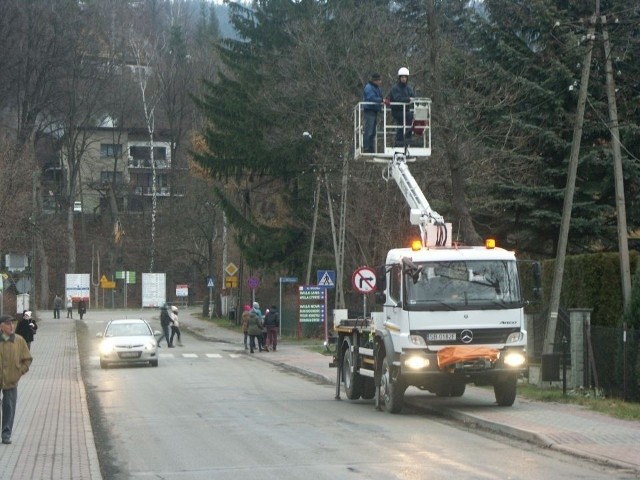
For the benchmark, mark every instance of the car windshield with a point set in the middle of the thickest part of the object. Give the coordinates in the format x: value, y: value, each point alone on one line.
x: 127, y: 330
x: 461, y: 285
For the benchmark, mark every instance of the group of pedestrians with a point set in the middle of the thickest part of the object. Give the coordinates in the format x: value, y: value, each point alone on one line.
x: 261, y: 328
x: 399, y: 98
x: 169, y: 323
x: 58, y: 304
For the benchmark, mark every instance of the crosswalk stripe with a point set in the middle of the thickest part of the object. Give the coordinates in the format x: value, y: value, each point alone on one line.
x: 214, y: 355
x: 190, y: 355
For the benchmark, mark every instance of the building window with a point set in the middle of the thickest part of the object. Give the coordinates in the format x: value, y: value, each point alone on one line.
x: 107, y: 177
x: 110, y: 150
x: 144, y: 153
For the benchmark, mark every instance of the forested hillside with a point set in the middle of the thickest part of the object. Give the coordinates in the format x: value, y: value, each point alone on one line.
x: 503, y: 75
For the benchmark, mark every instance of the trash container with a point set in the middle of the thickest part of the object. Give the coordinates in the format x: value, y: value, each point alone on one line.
x: 205, y: 309
x: 550, y: 367
x: 232, y: 314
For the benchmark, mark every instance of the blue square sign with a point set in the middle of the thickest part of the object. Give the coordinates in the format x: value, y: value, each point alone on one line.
x: 326, y: 278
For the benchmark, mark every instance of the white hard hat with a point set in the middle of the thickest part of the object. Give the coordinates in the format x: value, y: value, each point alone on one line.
x: 174, y: 309
x: 404, y: 71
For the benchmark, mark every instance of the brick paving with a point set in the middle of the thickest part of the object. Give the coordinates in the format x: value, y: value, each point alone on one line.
x: 52, y: 437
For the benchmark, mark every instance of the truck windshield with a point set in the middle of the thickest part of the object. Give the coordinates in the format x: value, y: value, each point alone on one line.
x: 461, y: 285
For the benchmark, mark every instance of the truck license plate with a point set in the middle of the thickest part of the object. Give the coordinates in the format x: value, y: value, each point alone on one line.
x: 439, y: 337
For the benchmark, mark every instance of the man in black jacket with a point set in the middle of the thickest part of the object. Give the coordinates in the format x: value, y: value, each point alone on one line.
x: 401, y: 92
x: 272, y: 322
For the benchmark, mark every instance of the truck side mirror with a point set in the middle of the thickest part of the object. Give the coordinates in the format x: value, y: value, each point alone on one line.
x: 381, y: 298
x: 381, y: 278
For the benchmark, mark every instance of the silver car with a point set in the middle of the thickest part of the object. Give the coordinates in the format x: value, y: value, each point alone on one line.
x: 127, y: 342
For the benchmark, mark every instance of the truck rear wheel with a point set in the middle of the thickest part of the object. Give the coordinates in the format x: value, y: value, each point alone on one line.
x: 353, y: 382
x: 391, y: 393
x: 505, y: 390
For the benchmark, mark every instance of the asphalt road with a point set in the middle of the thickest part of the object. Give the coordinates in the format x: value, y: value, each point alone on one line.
x: 212, y: 411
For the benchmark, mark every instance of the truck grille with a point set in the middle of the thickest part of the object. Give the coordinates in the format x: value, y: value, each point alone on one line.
x: 461, y: 336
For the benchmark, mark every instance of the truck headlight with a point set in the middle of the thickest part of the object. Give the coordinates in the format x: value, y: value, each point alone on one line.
x: 514, y: 359
x: 416, y: 362
x: 417, y: 340
x: 515, y: 337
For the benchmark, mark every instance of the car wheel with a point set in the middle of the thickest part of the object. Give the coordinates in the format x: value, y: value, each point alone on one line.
x: 153, y: 363
x: 103, y: 364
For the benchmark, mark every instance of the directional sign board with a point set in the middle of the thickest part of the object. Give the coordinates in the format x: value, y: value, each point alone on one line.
x: 364, y: 280
x: 326, y: 278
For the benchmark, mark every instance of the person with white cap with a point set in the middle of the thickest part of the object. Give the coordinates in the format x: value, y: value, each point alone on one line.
x: 175, y: 325
x: 15, y: 360
x: 27, y: 327
x: 400, y: 93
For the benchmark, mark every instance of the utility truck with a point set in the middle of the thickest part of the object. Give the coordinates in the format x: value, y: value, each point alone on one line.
x: 450, y: 314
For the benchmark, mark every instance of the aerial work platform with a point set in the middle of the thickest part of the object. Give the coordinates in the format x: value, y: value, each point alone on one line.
x: 416, y: 120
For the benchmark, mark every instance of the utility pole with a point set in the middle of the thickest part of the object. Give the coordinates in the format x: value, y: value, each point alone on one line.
x: 554, y: 301
x: 623, y: 242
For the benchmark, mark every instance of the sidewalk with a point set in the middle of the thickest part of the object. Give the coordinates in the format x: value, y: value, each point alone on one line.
x: 52, y: 436
x: 568, y: 428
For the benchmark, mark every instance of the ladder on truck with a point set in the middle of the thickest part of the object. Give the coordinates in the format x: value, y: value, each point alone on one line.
x: 419, y: 145
x: 434, y: 232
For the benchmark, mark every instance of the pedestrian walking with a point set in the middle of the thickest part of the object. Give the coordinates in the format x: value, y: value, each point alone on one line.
x: 69, y: 306
x: 15, y: 359
x: 263, y: 331
x: 272, y: 322
x: 82, y: 308
x: 254, y: 329
x: 57, y: 305
x: 245, y: 325
x: 27, y: 327
x: 175, y: 325
x: 165, y: 322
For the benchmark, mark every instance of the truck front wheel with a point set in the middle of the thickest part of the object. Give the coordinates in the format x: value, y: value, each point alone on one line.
x: 351, y: 379
x: 505, y: 390
x: 391, y: 392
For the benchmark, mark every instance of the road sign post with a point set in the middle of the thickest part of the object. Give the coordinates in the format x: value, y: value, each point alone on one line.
x: 210, y: 285
x: 364, y: 281
x: 283, y: 280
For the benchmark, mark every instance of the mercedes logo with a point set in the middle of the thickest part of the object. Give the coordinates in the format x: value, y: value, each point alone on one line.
x: 466, y: 336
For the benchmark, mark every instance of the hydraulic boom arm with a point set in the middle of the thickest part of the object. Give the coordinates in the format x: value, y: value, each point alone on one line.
x: 433, y: 230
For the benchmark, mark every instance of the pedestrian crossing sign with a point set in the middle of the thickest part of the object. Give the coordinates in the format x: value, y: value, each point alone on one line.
x: 326, y: 278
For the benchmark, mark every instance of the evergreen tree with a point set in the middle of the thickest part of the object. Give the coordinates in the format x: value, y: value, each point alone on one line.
x: 528, y: 55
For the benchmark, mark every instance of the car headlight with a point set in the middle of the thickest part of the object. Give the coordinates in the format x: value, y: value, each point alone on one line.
x: 149, y: 346
x: 106, y: 348
x: 514, y: 359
